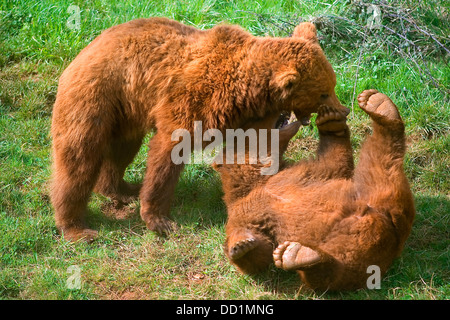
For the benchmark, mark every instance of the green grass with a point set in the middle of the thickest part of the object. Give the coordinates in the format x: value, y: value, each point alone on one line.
x: 128, y: 261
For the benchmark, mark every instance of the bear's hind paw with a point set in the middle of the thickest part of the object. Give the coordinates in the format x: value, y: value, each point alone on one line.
x: 293, y: 256
x: 379, y: 104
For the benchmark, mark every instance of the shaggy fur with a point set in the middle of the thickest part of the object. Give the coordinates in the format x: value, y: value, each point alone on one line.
x: 158, y: 74
x: 325, y: 219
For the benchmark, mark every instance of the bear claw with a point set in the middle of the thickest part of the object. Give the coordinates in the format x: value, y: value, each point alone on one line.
x: 241, y: 247
x: 160, y: 224
x: 332, y: 120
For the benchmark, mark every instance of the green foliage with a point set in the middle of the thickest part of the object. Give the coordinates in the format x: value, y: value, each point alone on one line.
x: 406, y: 58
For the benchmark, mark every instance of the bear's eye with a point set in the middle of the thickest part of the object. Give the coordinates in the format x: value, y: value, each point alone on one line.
x: 324, y: 96
x: 289, y: 86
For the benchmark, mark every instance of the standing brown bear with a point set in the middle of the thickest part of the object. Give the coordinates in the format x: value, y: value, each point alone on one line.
x: 158, y: 74
x: 328, y: 221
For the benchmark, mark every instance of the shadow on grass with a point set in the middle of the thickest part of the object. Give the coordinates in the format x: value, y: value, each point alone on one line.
x: 197, y: 202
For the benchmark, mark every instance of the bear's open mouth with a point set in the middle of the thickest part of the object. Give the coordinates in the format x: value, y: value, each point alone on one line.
x: 283, y: 120
x: 303, y: 117
x: 286, y: 118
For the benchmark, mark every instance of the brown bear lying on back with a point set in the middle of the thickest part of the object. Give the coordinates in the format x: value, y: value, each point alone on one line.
x: 158, y: 74
x: 334, y: 224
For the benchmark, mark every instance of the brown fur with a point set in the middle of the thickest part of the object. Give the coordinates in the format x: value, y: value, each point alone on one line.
x: 343, y: 219
x: 160, y: 74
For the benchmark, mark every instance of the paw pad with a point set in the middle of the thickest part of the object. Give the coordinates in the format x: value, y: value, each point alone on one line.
x: 374, y: 102
x: 292, y: 256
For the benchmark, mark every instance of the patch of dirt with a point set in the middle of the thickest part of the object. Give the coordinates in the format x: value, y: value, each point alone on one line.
x: 119, y: 211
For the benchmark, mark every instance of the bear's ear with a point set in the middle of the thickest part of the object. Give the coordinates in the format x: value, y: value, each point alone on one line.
x: 307, y: 31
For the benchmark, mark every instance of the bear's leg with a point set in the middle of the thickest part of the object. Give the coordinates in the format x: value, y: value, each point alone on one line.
x: 334, y: 154
x: 159, y: 184
x: 110, y: 181
x: 379, y: 178
x: 250, y: 252
x: 381, y: 156
x: 74, y: 176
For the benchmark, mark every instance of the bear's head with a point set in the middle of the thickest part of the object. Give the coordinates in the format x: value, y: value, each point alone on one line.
x: 302, y: 78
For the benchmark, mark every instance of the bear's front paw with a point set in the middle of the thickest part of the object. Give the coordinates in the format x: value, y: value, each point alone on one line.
x: 331, y: 120
x: 240, y: 248
x: 293, y: 256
